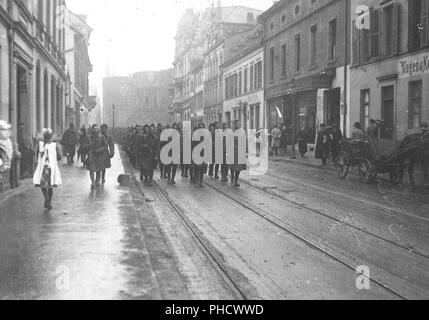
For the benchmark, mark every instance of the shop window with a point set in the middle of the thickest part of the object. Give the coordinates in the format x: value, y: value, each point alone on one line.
x: 365, y: 108
x: 418, y: 23
x: 415, y: 104
x: 388, y: 112
x: 313, y: 46
x: 333, y: 39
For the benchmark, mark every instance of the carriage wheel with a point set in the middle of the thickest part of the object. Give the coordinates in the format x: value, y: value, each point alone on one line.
x: 342, y: 165
x: 366, y: 171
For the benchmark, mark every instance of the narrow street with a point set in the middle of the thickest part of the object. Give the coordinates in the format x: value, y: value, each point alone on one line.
x: 296, y: 233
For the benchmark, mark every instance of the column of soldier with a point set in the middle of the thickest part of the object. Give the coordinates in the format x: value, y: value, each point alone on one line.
x: 142, y: 145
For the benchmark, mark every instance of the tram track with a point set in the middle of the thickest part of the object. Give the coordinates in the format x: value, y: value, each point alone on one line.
x: 365, y: 202
x: 305, y: 238
x: 336, y: 220
x: 214, y: 257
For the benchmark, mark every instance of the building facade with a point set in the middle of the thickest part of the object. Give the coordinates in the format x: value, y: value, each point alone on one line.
x: 78, y: 67
x: 390, y: 64
x: 142, y: 98
x: 243, y: 91
x: 307, y: 64
x: 201, y: 37
x: 33, y: 81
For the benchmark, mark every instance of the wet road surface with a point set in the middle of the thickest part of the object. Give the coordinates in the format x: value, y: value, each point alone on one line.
x: 90, y: 246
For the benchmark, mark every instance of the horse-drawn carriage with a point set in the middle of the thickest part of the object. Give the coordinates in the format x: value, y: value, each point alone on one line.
x: 377, y: 156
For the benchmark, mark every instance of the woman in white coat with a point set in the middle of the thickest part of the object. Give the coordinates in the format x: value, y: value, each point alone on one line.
x: 47, y: 175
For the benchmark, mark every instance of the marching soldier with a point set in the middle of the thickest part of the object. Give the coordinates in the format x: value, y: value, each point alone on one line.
x: 148, y: 149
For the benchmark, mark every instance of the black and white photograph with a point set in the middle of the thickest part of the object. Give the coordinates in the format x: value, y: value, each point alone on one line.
x: 187, y: 151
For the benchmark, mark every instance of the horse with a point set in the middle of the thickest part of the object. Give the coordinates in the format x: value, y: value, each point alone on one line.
x: 415, y: 149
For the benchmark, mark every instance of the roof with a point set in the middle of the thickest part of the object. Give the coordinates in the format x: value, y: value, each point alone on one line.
x: 279, y: 4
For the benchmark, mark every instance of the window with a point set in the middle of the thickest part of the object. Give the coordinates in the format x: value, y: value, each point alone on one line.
x: 418, y: 24
x: 251, y: 77
x: 255, y: 79
x: 283, y: 60
x: 259, y: 79
x: 389, y: 29
x: 40, y: 14
x: 388, y: 112
x: 333, y: 39
x: 245, y: 80
x: 415, y: 104
x: 297, y: 52
x: 365, y: 108
x: 283, y: 18
x: 313, y: 46
x: 271, y: 63
x: 240, y: 82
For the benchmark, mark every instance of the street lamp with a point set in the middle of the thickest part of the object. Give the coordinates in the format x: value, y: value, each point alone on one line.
x: 292, y: 90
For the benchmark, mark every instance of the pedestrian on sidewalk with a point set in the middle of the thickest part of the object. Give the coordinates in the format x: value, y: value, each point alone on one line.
x: 97, y: 150
x: 276, y: 134
x: 83, y: 150
x: 27, y: 153
x: 284, y: 139
x: 335, y: 137
x: 322, y: 145
x: 69, y: 142
x: 47, y: 175
x: 302, y: 140
x: 109, y: 153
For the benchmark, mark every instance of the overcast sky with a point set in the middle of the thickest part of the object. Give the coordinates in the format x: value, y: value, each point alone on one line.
x: 138, y: 35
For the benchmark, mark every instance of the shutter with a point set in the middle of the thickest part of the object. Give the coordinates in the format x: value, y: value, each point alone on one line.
x: 375, y: 32
x: 355, y: 44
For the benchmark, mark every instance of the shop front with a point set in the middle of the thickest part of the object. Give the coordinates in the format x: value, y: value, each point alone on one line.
x: 295, y: 105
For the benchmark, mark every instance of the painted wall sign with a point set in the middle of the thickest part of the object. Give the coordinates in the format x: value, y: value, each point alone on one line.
x: 414, y: 65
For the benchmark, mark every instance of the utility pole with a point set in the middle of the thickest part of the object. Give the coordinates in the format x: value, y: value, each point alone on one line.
x: 292, y: 90
x: 113, y: 111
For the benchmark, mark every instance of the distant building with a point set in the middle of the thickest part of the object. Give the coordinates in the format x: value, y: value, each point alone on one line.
x: 78, y: 66
x: 142, y: 98
x: 243, y: 91
x: 201, y: 38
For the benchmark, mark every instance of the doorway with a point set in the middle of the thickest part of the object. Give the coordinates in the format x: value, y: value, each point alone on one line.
x: 333, y: 107
x: 22, y: 101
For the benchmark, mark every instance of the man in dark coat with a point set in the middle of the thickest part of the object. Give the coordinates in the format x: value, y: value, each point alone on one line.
x: 148, y: 150
x: 27, y: 153
x: 97, y: 149
x: 322, y: 145
x: 69, y: 142
x: 237, y: 167
x: 336, y: 136
x: 109, y: 152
